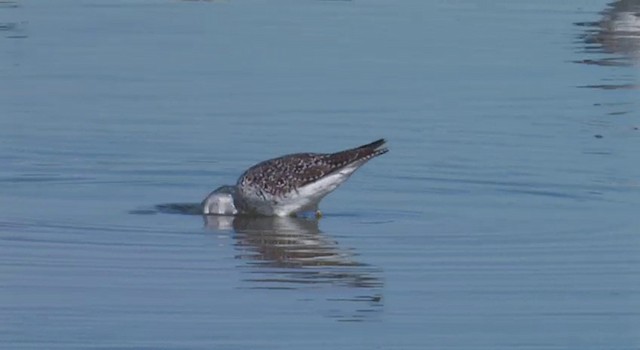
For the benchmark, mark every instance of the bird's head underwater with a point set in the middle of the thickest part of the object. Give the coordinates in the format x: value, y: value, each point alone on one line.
x: 220, y: 201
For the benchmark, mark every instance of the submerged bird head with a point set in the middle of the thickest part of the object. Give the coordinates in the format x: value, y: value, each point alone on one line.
x: 220, y: 201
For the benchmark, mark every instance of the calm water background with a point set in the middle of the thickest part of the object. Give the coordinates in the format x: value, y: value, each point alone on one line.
x: 506, y: 215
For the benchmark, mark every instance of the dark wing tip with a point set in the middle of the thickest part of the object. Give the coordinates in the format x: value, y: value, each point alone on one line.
x: 374, y: 144
x: 365, y: 152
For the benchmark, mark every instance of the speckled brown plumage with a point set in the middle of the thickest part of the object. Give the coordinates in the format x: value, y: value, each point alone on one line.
x: 279, y: 176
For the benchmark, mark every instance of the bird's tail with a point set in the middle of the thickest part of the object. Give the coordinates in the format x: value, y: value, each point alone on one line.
x: 375, y: 145
x: 361, y: 153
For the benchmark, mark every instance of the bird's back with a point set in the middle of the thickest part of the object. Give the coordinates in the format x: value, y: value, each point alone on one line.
x: 274, y: 180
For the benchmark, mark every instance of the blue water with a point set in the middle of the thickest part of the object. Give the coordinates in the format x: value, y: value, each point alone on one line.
x: 505, y: 215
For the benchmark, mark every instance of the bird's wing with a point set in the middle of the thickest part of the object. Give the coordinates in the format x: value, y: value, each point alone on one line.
x: 287, y: 173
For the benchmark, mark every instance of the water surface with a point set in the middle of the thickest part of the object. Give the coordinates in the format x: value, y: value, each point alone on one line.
x: 504, y: 216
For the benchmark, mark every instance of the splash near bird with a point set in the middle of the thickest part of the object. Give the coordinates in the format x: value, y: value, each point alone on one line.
x: 290, y: 184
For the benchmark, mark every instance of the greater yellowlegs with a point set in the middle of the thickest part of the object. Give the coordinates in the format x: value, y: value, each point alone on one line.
x: 290, y: 184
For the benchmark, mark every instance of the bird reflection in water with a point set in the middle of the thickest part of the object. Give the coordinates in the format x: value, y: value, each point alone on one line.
x: 292, y: 253
x: 617, y: 32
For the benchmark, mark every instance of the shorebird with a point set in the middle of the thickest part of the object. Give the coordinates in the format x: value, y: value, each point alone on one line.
x: 291, y: 184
